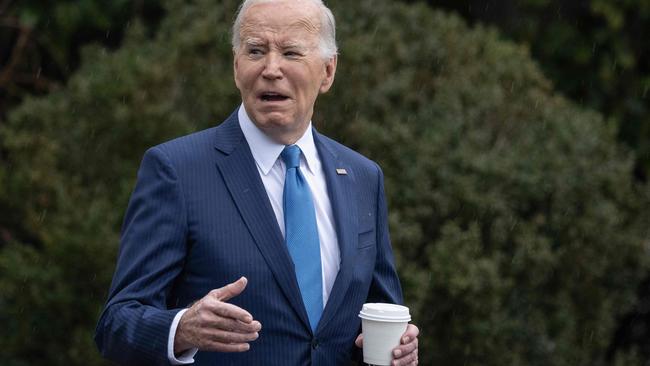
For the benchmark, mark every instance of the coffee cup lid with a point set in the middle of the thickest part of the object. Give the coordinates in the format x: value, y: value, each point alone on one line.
x: 385, y: 312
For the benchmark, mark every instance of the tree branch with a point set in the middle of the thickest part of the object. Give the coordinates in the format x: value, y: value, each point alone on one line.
x: 37, y: 82
x: 16, y: 55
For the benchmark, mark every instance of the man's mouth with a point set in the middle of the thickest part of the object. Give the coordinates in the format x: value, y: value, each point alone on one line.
x: 273, y: 97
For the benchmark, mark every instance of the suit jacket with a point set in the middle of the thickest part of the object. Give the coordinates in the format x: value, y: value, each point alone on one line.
x: 199, y: 218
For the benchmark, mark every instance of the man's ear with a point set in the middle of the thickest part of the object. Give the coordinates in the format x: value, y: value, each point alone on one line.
x: 235, y: 64
x: 330, y: 71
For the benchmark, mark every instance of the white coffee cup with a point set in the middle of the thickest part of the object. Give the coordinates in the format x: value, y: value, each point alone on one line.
x: 382, y: 325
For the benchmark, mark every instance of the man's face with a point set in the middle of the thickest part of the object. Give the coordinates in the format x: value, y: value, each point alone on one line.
x: 279, y: 69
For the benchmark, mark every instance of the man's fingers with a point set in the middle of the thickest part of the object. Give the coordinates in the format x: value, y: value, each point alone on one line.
x: 211, y: 311
x: 406, y: 349
x: 231, y: 311
x: 412, y: 332
x: 411, y: 359
x: 227, y: 347
x: 407, y: 352
x: 230, y: 290
x: 232, y: 325
x: 227, y: 337
x: 214, y: 325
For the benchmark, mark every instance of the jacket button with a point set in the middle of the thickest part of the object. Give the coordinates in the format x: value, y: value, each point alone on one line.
x: 314, y: 343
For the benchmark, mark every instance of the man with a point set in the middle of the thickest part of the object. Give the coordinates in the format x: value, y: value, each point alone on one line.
x: 256, y: 242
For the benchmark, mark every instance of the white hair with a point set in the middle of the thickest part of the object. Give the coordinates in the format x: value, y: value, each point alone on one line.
x: 327, y: 44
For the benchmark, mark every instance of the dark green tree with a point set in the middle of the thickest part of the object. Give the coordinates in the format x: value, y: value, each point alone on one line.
x: 41, y: 40
x: 517, y: 226
x: 40, y: 43
x: 595, y: 51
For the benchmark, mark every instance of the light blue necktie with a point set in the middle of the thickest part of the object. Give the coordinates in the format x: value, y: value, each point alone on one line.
x: 301, y: 235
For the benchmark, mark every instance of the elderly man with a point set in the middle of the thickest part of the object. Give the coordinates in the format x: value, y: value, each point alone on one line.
x: 256, y: 242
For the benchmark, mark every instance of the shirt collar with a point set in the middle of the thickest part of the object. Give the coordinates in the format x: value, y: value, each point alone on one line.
x: 266, y: 151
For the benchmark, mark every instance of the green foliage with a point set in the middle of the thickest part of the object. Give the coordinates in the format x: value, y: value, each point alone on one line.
x: 58, y: 28
x: 594, y: 51
x: 42, y: 40
x: 65, y: 18
x: 516, y: 223
x: 513, y: 211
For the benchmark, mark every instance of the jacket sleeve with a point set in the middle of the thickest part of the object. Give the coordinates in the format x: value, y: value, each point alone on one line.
x: 135, y: 323
x: 385, y: 285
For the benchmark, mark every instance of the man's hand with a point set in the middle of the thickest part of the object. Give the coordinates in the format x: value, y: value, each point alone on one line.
x: 407, y: 352
x: 212, y: 324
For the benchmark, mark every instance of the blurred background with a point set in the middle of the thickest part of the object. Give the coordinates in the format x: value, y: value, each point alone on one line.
x: 514, y: 136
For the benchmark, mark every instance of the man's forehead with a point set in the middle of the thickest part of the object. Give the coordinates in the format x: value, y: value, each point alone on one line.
x: 297, y: 25
x: 293, y: 34
x: 307, y: 7
x: 281, y: 16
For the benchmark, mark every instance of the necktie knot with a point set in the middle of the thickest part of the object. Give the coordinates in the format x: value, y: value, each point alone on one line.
x: 291, y: 156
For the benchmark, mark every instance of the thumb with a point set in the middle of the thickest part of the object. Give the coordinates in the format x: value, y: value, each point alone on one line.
x: 232, y: 289
x: 359, y: 341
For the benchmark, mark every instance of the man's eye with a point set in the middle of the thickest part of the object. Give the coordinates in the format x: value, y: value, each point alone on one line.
x: 292, y: 54
x: 254, y: 51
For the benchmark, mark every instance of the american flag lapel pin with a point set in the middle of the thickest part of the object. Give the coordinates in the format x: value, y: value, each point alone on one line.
x: 341, y: 171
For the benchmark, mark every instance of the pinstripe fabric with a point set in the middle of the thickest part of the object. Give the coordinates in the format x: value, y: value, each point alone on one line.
x: 199, y: 218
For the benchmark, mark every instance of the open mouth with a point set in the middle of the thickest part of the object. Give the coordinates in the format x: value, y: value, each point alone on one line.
x: 273, y: 97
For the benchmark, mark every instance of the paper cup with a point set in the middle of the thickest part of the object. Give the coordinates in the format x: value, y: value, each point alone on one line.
x: 382, y: 325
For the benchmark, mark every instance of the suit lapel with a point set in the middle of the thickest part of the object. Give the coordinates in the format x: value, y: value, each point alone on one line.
x: 341, y: 192
x: 238, y: 170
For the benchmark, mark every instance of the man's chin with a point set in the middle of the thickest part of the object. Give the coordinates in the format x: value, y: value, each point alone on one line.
x: 283, y: 131
x: 273, y: 120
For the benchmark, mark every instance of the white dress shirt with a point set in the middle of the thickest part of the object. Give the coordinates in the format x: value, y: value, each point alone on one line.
x: 271, y: 168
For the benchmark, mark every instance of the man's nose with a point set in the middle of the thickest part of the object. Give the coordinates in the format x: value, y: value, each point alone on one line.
x: 273, y: 66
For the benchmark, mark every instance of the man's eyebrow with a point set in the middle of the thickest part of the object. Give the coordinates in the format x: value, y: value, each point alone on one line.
x: 254, y: 42
x: 293, y: 45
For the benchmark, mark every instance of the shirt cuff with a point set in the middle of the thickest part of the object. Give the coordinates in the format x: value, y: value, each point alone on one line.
x: 184, y: 358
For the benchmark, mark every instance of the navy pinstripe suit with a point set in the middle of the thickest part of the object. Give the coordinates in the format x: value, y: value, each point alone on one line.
x: 199, y: 218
